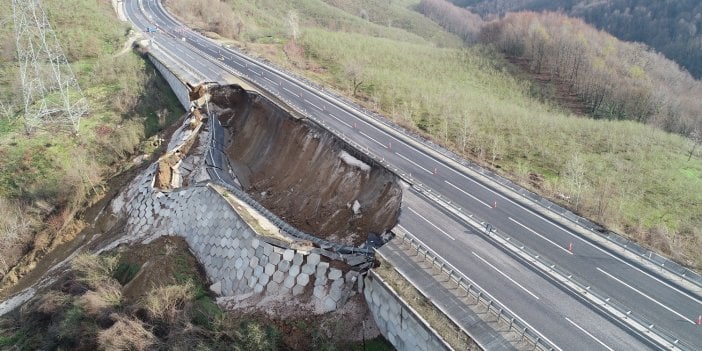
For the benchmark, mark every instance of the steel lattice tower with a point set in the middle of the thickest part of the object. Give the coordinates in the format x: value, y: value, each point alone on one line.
x: 52, y: 96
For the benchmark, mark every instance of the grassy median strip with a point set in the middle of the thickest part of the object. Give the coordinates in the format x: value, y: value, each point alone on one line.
x: 448, y: 330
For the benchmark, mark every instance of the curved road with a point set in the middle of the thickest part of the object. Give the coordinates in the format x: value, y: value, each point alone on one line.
x: 564, y: 320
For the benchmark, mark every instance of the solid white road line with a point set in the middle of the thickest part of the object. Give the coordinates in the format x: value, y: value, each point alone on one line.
x: 414, y: 163
x: 471, y: 195
x: 540, y: 236
x: 686, y: 294
x: 494, y: 299
x: 505, y: 275
x: 237, y: 63
x: 290, y: 91
x: 311, y: 103
x: 590, y: 335
x: 577, y: 236
x: 268, y: 79
x: 646, y: 296
x: 371, y: 138
x: 513, y: 202
x: 342, y: 122
x: 432, y: 224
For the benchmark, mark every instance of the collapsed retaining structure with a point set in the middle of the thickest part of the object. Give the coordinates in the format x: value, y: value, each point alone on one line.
x: 244, y: 248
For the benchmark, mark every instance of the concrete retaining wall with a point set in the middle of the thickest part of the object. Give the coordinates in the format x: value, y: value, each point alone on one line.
x: 179, y: 88
x: 397, y: 321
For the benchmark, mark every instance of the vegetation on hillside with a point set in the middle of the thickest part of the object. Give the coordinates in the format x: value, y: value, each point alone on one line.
x: 46, y: 177
x: 113, y: 302
x: 633, y: 178
x: 608, y: 78
x: 671, y: 27
x: 154, y: 297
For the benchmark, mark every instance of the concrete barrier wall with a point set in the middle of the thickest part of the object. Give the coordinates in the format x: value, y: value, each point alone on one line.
x: 397, y: 321
x: 179, y: 88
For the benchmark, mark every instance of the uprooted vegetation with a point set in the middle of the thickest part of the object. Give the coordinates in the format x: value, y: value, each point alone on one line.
x: 305, y: 174
x: 150, y: 297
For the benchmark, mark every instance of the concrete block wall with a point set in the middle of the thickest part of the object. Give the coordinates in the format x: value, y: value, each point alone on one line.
x: 236, y: 258
x: 397, y: 321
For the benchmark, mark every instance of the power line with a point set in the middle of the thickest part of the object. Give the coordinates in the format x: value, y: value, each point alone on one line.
x: 52, y: 96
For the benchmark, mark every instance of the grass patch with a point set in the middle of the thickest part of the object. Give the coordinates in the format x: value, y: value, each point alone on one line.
x: 468, y: 100
x: 128, y: 102
x: 436, y: 319
x: 13, y: 339
x: 125, y: 272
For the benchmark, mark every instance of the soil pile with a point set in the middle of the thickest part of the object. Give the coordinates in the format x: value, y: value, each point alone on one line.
x: 303, y: 173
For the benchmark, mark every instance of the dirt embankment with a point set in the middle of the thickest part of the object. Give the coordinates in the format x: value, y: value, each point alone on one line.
x: 305, y: 174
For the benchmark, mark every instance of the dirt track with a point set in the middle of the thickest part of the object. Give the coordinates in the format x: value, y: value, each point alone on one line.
x: 305, y: 174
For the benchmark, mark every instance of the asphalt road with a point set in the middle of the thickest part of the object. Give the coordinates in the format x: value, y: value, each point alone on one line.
x: 556, y: 314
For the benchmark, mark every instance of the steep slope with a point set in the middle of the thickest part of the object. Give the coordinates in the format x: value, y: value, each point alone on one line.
x: 305, y: 174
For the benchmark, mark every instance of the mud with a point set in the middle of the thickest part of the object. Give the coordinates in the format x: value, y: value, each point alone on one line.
x: 303, y: 173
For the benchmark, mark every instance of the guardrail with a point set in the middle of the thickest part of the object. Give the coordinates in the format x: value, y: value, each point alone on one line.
x: 622, y: 313
x: 637, y: 322
x: 514, y: 323
x: 656, y: 259
x: 215, y: 166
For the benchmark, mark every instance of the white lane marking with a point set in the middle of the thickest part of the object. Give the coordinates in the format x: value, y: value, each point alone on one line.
x: 540, y: 236
x: 505, y: 275
x: 471, y: 195
x: 189, y: 56
x: 290, y: 91
x: 311, y: 103
x: 268, y: 79
x: 577, y: 236
x: 646, y: 296
x: 237, y: 63
x: 432, y: 224
x: 520, y: 206
x: 371, y: 138
x: 338, y: 119
x: 491, y: 297
x: 414, y: 163
x: 256, y: 73
x: 691, y: 297
x: 590, y: 335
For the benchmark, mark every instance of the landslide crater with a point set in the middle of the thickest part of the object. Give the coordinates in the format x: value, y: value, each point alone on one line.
x: 303, y: 173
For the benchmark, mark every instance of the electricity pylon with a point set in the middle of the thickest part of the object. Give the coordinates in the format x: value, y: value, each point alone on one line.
x: 52, y: 97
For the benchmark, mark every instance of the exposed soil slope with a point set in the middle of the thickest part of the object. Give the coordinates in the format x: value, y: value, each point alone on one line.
x: 305, y: 174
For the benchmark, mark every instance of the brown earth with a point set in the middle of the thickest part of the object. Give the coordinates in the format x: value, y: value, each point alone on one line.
x: 293, y: 167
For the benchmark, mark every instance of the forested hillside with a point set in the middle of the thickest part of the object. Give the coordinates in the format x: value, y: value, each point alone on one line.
x: 672, y: 27
x: 583, y: 69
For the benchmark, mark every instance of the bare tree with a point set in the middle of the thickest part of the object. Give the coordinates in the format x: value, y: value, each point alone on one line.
x: 13, y: 224
x: 575, y: 176
x: 696, y: 137
x: 293, y: 21
x: 354, y: 72
x: 5, y: 110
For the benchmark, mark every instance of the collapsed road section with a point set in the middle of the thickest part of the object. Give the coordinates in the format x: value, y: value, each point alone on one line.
x: 303, y: 173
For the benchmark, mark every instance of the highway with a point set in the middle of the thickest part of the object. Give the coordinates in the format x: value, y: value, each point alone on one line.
x: 566, y: 321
